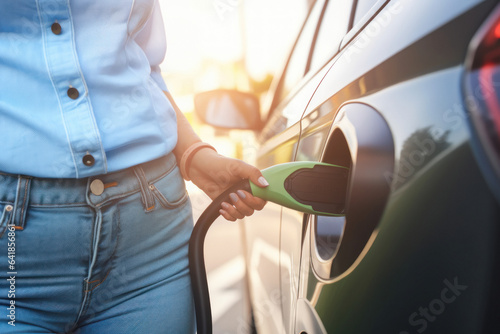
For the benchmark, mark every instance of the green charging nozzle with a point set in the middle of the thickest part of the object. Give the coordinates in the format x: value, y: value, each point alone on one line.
x: 310, y: 187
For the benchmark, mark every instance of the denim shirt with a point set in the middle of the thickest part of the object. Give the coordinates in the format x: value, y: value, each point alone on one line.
x: 81, y: 91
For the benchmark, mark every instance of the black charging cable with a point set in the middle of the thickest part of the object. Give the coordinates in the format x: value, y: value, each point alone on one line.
x: 197, y: 258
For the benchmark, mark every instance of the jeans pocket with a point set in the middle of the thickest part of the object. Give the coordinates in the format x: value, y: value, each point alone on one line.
x: 6, y: 211
x: 170, y: 189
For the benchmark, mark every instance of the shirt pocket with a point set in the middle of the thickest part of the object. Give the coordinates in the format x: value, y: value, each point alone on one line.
x: 170, y: 189
x: 6, y: 211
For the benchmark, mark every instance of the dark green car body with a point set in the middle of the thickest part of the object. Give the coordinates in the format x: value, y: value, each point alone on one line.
x: 418, y: 249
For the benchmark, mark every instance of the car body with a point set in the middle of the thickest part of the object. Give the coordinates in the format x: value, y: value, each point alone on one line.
x: 394, y: 91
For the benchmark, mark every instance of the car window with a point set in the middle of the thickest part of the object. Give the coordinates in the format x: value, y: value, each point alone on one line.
x: 295, y: 70
x: 297, y: 64
x: 362, y: 8
x: 334, y: 26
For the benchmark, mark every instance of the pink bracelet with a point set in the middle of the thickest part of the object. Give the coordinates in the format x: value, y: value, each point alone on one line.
x: 188, y: 155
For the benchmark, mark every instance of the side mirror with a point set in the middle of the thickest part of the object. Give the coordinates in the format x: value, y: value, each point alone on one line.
x: 228, y: 109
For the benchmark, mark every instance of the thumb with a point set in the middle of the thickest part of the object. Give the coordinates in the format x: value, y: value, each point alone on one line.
x: 246, y: 171
x: 255, y: 175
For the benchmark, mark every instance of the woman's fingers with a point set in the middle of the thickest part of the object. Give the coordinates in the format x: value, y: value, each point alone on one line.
x: 243, y: 204
x: 254, y: 202
x: 226, y: 215
x: 232, y: 211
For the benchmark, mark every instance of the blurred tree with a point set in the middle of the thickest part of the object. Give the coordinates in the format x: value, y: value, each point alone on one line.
x: 418, y: 151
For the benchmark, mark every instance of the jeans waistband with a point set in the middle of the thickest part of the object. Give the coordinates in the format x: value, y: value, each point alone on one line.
x: 95, y: 190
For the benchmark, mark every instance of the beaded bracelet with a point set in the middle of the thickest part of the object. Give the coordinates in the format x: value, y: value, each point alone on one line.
x: 188, y: 155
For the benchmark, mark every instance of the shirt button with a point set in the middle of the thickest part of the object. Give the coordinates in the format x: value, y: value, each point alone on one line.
x: 56, y: 28
x: 73, y: 93
x: 88, y: 160
x: 97, y: 187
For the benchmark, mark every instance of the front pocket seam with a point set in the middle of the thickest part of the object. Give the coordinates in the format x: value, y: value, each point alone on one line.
x: 166, y: 203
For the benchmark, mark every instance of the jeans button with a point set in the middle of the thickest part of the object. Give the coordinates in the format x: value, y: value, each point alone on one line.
x: 97, y: 187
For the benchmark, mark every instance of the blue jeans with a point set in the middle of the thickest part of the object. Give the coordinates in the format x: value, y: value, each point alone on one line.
x: 106, y: 254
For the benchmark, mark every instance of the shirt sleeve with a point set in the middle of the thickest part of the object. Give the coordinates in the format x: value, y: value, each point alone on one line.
x: 152, y: 40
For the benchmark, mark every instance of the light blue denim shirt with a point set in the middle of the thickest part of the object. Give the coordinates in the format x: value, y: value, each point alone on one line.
x: 80, y: 87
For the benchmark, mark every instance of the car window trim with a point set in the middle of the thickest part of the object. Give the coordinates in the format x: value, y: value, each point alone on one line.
x: 349, y: 26
x: 307, y: 75
x: 363, y: 22
x: 315, y: 37
x: 279, y: 86
x: 318, y: 27
x: 353, y: 15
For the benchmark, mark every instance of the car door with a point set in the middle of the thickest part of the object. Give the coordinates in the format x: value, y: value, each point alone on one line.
x: 278, y: 141
x: 336, y: 21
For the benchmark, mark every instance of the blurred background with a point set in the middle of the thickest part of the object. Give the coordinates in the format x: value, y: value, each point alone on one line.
x: 232, y: 44
x: 227, y: 43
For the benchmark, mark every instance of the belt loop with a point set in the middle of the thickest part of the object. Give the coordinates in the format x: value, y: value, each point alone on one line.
x: 147, y: 197
x: 22, y: 201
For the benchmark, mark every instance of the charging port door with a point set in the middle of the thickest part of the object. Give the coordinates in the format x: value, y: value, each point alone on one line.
x: 361, y: 138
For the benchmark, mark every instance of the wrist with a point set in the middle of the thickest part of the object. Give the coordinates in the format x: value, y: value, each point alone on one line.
x: 188, y: 155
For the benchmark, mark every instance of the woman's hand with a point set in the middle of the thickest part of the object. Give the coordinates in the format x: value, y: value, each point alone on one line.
x: 214, y: 173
